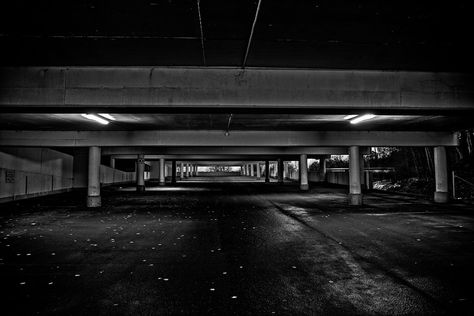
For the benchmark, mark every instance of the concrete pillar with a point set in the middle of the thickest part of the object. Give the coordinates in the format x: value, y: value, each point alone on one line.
x: 285, y: 170
x: 197, y: 171
x: 162, y: 171
x: 173, y: 171
x: 258, y: 170
x: 355, y: 192
x: 187, y: 170
x: 280, y: 170
x: 93, y: 180
x: 181, y: 171
x: 267, y: 171
x: 112, y: 162
x: 323, y: 168
x: 304, y: 173
x: 251, y: 170
x: 141, y: 173
x: 441, y: 175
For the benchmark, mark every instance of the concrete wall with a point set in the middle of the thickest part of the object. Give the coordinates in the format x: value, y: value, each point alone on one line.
x: 29, y: 172
x: 108, y: 175
x: 341, y: 176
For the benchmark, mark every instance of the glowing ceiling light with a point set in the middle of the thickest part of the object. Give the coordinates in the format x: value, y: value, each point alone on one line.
x: 362, y: 118
x: 96, y: 118
x: 348, y: 117
x: 107, y: 116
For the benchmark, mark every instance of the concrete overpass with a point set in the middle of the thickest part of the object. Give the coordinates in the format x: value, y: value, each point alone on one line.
x: 190, y: 114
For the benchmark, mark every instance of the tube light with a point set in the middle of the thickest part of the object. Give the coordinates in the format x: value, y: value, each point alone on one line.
x: 107, y: 116
x: 96, y: 118
x: 362, y: 118
x: 351, y: 116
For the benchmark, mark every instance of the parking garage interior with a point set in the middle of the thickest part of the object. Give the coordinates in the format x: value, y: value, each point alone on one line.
x: 174, y: 158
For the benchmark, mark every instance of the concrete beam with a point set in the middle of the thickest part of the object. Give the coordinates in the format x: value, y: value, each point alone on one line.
x: 159, y: 152
x: 156, y: 89
x: 198, y: 138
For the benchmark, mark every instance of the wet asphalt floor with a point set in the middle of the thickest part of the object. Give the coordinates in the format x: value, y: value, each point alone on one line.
x: 235, y: 248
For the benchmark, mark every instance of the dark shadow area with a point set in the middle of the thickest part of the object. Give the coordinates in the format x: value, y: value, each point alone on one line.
x: 235, y: 248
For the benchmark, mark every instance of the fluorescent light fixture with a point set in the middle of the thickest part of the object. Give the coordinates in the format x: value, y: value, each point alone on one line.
x: 107, y: 116
x: 96, y: 118
x: 348, y: 117
x: 362, y: 118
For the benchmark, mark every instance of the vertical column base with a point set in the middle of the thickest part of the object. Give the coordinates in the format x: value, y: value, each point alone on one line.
x: 94, y: 201
x: 267, y: 180
x: 162, y: 183
x: 140, y: 188
x: 355, y: 199
x: 304, y: 187
x: 441, y: 197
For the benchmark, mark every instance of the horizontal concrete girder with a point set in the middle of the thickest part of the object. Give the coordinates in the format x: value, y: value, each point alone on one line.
x: 155, y: 89
x: 197, y: 138
x: 221, y: 158
x: 163, y: 152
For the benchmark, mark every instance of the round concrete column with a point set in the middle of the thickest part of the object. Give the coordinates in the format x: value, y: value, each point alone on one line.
x: 181, y: 171
x: 267, y: 171
x: 197, y: 171
x: 141, y: 173
x: 93, y: 180
x: 441, y: 175
x: 162, y: 171
x: 187, y: 170
x: 285, y: 169
x: 251, y: 170
x: 304, y: 173
x: 280, y: 170
x: 258, y: 170
x: 355, y: 193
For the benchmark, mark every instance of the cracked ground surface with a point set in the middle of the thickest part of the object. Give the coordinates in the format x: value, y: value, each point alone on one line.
x: 242, y: 248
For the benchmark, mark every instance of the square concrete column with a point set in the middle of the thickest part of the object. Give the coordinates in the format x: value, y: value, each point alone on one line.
x: 251, y: 170
x: 141, y: 173
x: 280, y: 170
x: 267, y: 171
x: 181, y: 171
x: 112, y: 162
x: 441, y: 175
x: 323, y: 168
x: 304, y: 173
x: 173, y: 171
x: 258, y: 170
x: 285, y: 170
x: 162, y: 171
x: 93, y: 180
x: 355, y: 192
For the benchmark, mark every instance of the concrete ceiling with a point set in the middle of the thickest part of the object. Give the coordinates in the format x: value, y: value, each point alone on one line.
x: 26, y: 121
x: 350, y: 34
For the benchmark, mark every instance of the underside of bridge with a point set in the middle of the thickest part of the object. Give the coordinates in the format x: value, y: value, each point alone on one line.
x: 150, y: 103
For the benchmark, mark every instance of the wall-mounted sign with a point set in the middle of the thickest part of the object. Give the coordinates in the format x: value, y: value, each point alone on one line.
x: 9, y: 176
